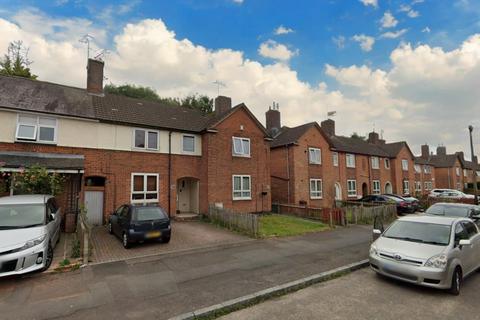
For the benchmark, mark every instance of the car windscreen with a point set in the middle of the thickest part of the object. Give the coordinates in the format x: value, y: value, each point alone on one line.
x: 393, y: 198
x: 430, y: 233
x: 21, y: 216
x: 449, y: 211
x: 148, y: 213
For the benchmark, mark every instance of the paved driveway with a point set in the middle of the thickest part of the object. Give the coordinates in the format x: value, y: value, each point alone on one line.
x: 185, y: 235
x: 364, y: 295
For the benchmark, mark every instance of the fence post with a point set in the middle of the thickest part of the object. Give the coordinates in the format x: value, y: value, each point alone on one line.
x: 331, y: 218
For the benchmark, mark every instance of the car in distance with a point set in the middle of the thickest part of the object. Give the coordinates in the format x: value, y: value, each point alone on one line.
x: 403, y: 206
x: 455, y: 194
x: 455, y: 210
x: 431, y: 251
x: 437, y: 192
x: 29, y: 232
x: 139, y: 223
x: 408, y: 198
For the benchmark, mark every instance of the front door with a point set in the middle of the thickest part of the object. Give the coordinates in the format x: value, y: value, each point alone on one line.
x: 94, y: 206
x: 338, y: 191
x: 364, y: 189
x: 187, y: 195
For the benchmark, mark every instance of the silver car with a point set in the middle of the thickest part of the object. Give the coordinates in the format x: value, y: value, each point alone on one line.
x: 29, y: 231
x: 431, y: 251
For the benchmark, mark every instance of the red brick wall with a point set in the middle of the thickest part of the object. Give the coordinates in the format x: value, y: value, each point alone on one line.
x: 399, y: 174
x: 447, y: 177
x: 281, y: 167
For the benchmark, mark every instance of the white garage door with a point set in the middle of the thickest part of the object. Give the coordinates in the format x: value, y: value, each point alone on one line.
x: 94, y: 206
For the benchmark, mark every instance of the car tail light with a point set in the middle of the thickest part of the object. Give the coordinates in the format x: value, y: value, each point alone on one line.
x: 403, y: 204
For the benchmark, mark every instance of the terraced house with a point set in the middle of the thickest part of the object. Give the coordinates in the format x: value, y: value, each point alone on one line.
x: 118, y: 150
x: 311, y: 165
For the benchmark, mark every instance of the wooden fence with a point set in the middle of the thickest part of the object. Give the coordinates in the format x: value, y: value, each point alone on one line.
x: 331, y: 216
x: 247, y: 223
x: 84, y: 236
x: 360, y: 213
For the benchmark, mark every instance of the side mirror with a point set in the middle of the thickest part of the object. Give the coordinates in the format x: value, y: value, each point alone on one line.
x: 464, y: 242
x: 52, y: 216
x: 376, y: 234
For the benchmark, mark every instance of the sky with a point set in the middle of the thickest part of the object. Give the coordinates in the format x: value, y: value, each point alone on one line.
x: 408, y: 69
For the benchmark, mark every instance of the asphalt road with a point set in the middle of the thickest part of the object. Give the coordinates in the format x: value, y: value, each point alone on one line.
x: 364, y: 295
x: 164, y: 286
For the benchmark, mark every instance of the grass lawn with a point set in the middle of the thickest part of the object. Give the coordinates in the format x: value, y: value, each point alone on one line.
x: 284, y: 226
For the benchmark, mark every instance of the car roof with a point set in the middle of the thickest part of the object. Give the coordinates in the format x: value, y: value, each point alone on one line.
x: 431, y: 219
x: 458, y: 205
x: 25, y: 199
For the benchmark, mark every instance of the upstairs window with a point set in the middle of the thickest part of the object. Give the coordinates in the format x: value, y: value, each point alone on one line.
x: 315, y: 188
x: 375, y: 163
x: 146, y: 139
x: 417, y: 168
x: 404, y: 165
x: 188, y: 143
x: 387, y: 163
x: 314, y: 156
x: 457, y: 171
x: 335, y: 159
x: 427, y: 169
x: 350, y: 160
x: 241, y: 147
x: 465, y: 172
x: 36, y: 128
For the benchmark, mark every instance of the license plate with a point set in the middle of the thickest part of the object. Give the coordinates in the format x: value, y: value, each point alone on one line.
x: 153, y: 234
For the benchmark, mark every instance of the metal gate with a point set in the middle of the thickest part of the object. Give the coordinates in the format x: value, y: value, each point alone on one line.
x: 94, y: 206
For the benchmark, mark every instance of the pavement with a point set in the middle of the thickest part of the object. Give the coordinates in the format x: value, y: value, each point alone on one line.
x: 364, y: 295
x: 185, y: 236
x: 164, y: 286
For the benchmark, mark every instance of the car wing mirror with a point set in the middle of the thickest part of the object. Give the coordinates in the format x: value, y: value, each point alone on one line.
x: 376, y: 233
x: 464, y: 242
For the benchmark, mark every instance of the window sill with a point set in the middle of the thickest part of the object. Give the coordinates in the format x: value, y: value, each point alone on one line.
x: 240, y: 156
x: 315, y: 163
x: 316, y: 198
x: 242, y: 199
x: 145, y: 150
x: 352, y: 196
x: 53, y: 143
x: 145, y: 201
x: 350, y: 167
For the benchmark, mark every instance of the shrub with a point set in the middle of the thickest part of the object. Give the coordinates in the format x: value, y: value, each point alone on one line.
x: 37, y: 180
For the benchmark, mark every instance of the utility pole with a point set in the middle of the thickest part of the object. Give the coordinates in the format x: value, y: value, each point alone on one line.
x: 475, y: 191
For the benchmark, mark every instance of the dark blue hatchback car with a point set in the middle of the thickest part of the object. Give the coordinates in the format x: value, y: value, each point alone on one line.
x: 139, y: 223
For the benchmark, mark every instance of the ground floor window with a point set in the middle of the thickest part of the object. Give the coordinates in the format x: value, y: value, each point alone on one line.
x: 144, y: 187
x: 352, y: 188
x: 376, y: 187
x: 428, y: 185
x: 315, y: 188
x: 242, y: 187
x: 418, y: 186
x: 406, y: 187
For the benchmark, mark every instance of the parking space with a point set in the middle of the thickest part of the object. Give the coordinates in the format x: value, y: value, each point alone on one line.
x: 185, y: 235
x: 364, y: 295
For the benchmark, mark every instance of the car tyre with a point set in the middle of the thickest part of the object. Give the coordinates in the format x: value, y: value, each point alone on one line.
x: 109, y: 227
x: 166, y: 239
x: 125, y: 242
x: 456, y: 282
x: 48, y: 258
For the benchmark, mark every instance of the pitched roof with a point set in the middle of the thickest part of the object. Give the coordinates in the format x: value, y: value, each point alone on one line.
x: 443, y: 161
x: 291, y: 135
x: 392, y: 149
x: 357, y: 146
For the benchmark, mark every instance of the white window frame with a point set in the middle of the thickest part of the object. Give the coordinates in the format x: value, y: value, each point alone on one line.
x: 417, y: 168
x: 146, y: 131
x: 404, y: 164
x: 335, y: 159
x: 37, y: 126
x: 418, y: 186
x: 242, y: 152
x: 352, y: 193
x: 427, y: 169
x: 406, y: 186
x: 317, y: 152
x: 144, y: 192
x: 316, y: 193
x: 183, y: 143
x: 387, y: 163
x: 375, y: 162
x: 376, y: 187
x: 350, y: 164
x: 465, y: 172
x: 457, y: 171
x: 242, y: 189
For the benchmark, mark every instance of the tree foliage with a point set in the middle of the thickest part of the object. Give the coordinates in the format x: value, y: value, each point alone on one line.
x: 16, y: 62
x: 194, y: 101
x: 37, y: 180
x: 357, y: 136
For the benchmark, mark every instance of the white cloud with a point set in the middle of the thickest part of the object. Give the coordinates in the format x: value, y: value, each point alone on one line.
x: 339, y: 42
x: 413, y: 14
x: 282, y: 30
x: 388, y: 20
x: 277, y: 51
x: 426, y: 30
x: 373, y: 3
x: 393, y: 34
x: 366, y: 42
x: 410, y: 12
x: 238, y: 1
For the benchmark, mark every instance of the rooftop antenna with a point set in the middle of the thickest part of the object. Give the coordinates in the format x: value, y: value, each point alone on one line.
x: 101, y: 54
x: 86, y: 39
x: 374, y: 127
x: 219, y: 84
x: 381, y: 134
x: 331, y: 114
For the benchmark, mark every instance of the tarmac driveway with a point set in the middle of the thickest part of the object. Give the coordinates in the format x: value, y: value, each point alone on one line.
x: 185, y: 236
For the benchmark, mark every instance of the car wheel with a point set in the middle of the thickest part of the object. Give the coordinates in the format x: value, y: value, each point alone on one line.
x: 125, y: 242
x: 109, y: 227
x: 456, y: 282
x: 166, y: 239
x: 48, y: 258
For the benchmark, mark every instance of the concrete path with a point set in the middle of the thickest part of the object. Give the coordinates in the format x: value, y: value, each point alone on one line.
x: 363, y: 295
x: 164, y: 286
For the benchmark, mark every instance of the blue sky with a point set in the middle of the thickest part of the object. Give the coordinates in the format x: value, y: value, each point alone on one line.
x: 409, y: 68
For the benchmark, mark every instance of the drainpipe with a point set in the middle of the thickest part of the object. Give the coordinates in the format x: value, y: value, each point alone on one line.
x: 169, y: 171
x: 288, y: 175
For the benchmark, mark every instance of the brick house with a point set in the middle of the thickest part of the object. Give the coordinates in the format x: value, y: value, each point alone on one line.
x: 424, y: 172
x: 470, y: 170
x: 131, y: 150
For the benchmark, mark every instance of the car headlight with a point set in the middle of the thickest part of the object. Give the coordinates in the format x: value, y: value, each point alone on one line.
x: 438, y: 261
x: 373, y: 250
x: 32, y: 243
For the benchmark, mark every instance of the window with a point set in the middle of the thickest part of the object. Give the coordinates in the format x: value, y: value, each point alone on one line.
x: 145, y: 139
x: 188, y: 143
x: 352, y: 188
x: 406, y: 187
x: 242, y: 187
x: 460, y: 233
x: 464, y: 172
x: 36, y: 128
x: 241, y: 147
x: 144, y: 187
x: 335, y: 159
x: 417, y: 168
x: 350, y: 160
x: 376, y: 187
x: 387, y: 163
x: 457, y: 171
x: 314, y: 156
x: 418, y: 186
x: 315, y: 188
x: 427, y: 169
x: 470, y: 227
x: 375, y: 163
x: 459, y: 186
x: 404, y: 164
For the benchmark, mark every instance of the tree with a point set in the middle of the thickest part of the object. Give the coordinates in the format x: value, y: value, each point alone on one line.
x: 194, y: 101
x: 357, y: 136
x: 37, y: 180
x: 16, y: 62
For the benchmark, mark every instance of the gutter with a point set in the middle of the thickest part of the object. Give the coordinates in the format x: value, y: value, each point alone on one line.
x: 169, y: 171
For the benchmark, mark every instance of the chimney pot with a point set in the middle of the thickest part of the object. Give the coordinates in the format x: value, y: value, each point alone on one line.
x: 222, y: 105
x: 328, y: 127
x: 95, y: 76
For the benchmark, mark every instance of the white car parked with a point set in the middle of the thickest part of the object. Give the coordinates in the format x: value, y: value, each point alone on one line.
x: 449, y: 193
x: 29, y: 231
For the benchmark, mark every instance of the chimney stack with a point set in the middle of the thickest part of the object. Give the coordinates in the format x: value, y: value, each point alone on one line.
x: 461, y: 155
x: 272, y: 117
x: 425, y: 151
x: 222, y: 105
x: 373, y: 138
x: 441, y: 151
x: 95, y: 76
x: 328, y: 126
